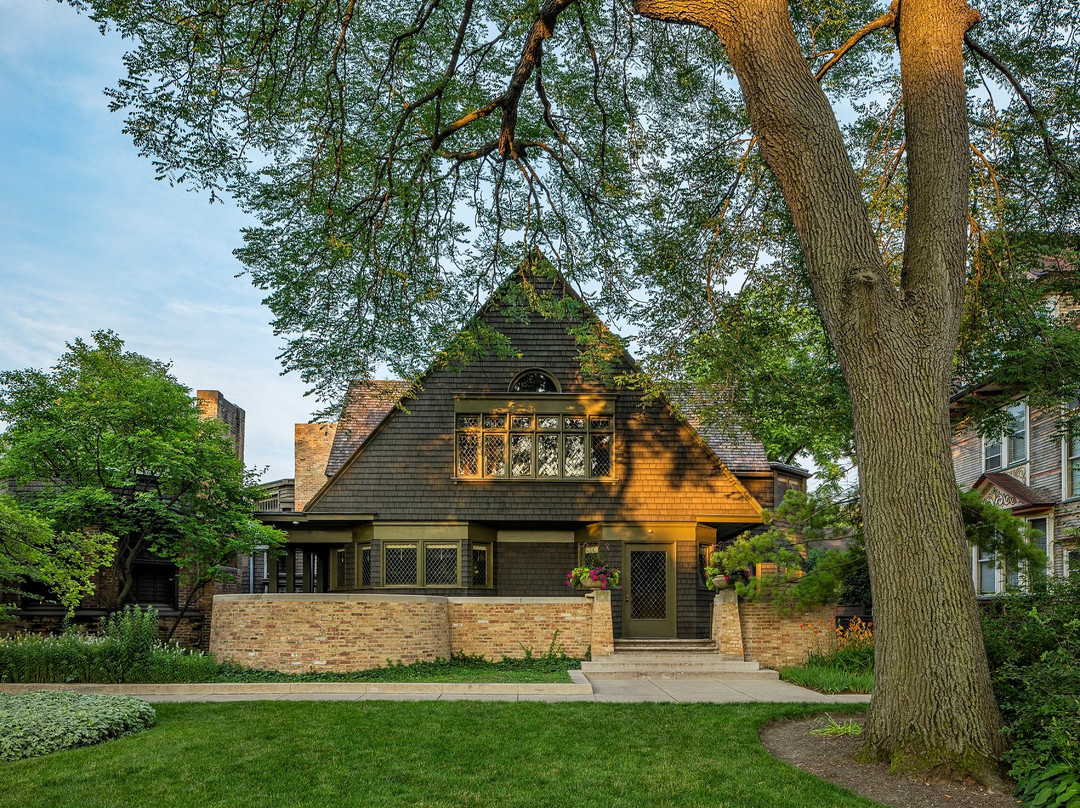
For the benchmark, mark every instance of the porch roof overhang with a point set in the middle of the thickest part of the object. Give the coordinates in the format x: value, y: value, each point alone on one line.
x: 1005, y: 491
x: 284, y: 518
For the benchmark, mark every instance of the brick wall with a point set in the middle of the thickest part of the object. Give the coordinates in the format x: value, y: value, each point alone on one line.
x: 778, y: 641
x: 328, y: 632
x: 337, y: 632
x: 213, y: 405
x: 508, y: 626
x: 312, y: 443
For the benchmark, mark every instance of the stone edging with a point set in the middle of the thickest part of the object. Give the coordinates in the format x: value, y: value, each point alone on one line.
x: 580, y: 687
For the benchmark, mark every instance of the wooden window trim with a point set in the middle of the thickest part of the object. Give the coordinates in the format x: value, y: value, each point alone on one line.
x: 421, y: 546
x: 1004, y: 443
x: 587, y: 408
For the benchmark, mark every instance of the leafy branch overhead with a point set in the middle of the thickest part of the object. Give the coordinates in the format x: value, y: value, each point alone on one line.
x: 402, y: 157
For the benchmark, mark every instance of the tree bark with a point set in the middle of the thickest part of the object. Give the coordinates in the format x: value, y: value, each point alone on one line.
x: 933, y: 708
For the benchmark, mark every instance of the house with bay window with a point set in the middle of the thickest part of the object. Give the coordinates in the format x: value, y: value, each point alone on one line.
x: 494, y: 480
x: 1033, y: 470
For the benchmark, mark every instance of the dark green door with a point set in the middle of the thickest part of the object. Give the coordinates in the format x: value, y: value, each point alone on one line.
x: 649, y: 591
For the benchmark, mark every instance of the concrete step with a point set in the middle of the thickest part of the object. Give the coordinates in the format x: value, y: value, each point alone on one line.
x: 668, y: 666
x: 665, y: 646
x: 664, y: 657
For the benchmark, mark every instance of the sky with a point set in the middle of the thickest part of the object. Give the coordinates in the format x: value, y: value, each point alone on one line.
x: 89, y: 240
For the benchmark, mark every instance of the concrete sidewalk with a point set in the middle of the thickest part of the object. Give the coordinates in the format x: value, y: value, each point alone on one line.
x: 720, y: 689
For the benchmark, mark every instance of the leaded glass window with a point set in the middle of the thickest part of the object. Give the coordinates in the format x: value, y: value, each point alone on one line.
x: 534, y: 446
x: 401, y: 568
x: 534, y: 381
x: 365, y: 565
x: 573, y: 455
x: 441, y: 564
x: 494, y: 454
x: 481, y: 564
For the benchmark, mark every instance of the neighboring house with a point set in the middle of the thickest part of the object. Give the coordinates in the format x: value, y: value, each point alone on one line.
x: 496, y: 479
x: 1034, y: 471
x: 156, y: 582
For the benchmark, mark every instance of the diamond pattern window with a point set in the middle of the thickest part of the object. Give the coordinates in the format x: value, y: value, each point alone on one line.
x: 537, y: 432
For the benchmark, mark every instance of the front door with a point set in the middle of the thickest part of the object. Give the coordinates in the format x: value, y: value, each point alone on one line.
x: 649, y: 591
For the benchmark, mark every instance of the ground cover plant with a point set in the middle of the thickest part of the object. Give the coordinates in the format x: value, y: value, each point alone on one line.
x: 34, y: 724
x: 431, y: 754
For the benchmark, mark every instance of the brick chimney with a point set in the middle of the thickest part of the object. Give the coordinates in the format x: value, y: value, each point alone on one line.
x: 312, y: 450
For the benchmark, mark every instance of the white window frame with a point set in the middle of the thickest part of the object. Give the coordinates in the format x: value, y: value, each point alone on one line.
x: 1066, y: 469
x: 976, y: 573
x: 1066, y: 567
x: 1001, y: 575
x: 1003, y: 440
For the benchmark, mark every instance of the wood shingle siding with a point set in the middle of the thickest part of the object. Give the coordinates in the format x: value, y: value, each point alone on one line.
x: 405, y: 469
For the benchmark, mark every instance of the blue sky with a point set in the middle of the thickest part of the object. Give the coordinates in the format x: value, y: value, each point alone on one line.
x: 89, y: 240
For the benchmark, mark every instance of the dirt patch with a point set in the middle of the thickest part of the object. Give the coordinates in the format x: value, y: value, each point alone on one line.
x: 833, y: 759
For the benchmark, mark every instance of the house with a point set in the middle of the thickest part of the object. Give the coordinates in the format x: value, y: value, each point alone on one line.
x: 491, y: 482
x: 155, y: 581
x: 1033, y: 471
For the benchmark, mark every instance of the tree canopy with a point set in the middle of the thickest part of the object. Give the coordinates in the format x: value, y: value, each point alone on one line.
x: 108, y: 442
x: 402, y: 157
x: 33, y: 556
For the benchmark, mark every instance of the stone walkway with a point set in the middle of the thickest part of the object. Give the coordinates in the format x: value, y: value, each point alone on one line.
x: 721, y: 689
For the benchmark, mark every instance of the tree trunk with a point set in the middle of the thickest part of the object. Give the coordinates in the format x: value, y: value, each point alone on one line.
x: 933, y: 708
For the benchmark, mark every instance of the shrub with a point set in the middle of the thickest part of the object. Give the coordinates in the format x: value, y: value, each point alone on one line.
x: 34, y: 724
x: 1033, y: 646
x: 127, y: 651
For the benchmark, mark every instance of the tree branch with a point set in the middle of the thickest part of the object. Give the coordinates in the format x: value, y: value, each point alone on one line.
x: 886, y: 20
x: 1044, y: 133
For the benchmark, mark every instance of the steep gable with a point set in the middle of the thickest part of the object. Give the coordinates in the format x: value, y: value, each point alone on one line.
x: 404, y: 469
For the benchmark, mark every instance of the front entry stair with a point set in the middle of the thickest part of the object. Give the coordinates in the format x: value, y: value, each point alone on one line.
x: 671, y: 659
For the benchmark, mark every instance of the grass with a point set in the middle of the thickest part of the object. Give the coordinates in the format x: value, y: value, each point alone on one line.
x: 460, y: 668
x: 828, y: 679
x: 378, y: 754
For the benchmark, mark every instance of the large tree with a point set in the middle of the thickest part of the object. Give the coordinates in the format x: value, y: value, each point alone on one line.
x: 108, y: 441
x: 401, y: 155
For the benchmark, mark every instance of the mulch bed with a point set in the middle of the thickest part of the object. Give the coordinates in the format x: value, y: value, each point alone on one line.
x: 833, y: 759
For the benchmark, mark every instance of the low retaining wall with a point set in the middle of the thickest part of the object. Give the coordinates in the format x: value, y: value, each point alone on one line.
x: 338, y: 632
x: 758, y: 633
x: 498, y: 627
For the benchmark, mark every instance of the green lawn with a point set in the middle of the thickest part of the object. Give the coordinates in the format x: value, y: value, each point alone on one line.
x: 451, y: 754
x: 456, y: 669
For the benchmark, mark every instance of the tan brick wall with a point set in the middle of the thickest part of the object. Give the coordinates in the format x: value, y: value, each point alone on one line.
x: 337, y: 632
x: 508, y: 626
x: 603, y: 638
x: 777, y: 641
x: 312, y: 450
x: 328, y: 632
x: 726, y: 625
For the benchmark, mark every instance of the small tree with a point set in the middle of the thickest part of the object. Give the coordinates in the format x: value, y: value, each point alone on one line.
x: 32, y: 552
x: 815, y: 549
x: 108, y: 438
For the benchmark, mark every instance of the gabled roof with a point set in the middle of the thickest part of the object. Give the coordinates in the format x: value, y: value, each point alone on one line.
x: 1005, y: 491
x: 736, y: 449
x: 367, y: 403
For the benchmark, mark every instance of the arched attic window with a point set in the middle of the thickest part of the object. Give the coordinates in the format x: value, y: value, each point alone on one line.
x: 534, y: 380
